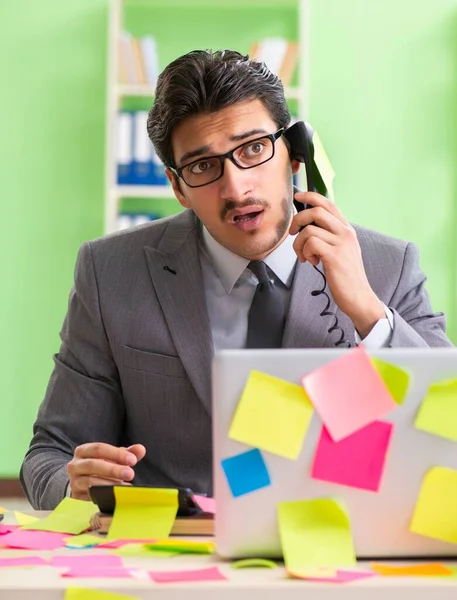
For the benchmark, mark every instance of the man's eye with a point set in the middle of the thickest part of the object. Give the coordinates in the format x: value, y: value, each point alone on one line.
x: 254, y: 149
x: 201, y: 167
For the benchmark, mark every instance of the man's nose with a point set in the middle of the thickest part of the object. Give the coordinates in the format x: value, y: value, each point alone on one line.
x: 236, y: 183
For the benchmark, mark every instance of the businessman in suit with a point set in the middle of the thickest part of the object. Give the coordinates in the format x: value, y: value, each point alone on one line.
x: 129, y: 396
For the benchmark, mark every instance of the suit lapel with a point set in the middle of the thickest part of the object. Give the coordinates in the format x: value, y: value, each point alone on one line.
x: 175, y: 271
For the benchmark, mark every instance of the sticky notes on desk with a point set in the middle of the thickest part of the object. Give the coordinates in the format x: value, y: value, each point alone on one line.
x: 418, y: 570
x: 438, y: 411
x: 183, y: 546
x: 395, y: 378
x: 23, y: 561
x: 315, y: 533
x: 143, y: 513
x: 24, y: 519
x: 435, y: 513
x: 33, y: 540
x: 348, y: 393
x: 338, y: 576
x: 246, y: 472
x: 78, y: 593
x: 188, y: 576
x: 272, y: 415
x: 84, y: 540
x: 357, y: 460
x: 207, y: 505
x: 70, y: 516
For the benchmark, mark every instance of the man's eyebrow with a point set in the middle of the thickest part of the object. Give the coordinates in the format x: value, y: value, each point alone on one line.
x: 208, y: 149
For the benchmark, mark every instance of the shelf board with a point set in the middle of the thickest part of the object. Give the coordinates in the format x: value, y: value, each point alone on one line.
x: 140, y: 89
x: 143, y: 191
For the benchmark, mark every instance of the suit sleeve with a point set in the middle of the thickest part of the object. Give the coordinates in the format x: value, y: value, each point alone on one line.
x: 83, y: 400
x: 415, y: 323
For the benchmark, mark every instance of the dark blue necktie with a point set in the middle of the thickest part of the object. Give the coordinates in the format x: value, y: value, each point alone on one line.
x: 266, y: 315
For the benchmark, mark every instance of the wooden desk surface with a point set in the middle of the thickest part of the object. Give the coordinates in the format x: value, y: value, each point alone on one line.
x: 44, y: 583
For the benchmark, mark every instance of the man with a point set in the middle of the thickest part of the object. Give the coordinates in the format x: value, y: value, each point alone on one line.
x: 129, y: 396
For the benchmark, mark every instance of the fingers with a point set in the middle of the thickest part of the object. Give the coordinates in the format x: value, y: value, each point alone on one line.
x: 315, y: 250
x: 318, y: 215
x: 80, y: 487
x: 315, y: 200
x: 103, y: 451
x: 99, y: 468
x: 311, y: 231
x: 138, y: 450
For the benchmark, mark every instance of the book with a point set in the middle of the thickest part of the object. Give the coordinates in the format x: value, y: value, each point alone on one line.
x: 201, y: 524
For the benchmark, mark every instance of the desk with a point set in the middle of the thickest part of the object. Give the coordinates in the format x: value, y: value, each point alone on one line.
x: 44, y: 583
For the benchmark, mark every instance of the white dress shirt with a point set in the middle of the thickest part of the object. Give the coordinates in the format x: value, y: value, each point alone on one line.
x: 230, y: 286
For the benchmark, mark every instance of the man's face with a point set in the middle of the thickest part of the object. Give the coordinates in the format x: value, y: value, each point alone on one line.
x: 247, y: 210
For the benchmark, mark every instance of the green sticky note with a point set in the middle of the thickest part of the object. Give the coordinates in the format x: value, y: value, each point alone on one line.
x: 322, y: 162
x: 315, y: 533
x: 78, y: 593
x: 183, y: 546
x: 396, y: 379
x: 70, y: 516
x: 143, y: 551
x: 273, y: 415
x: 247, y: 563
x: 435, y: 513
x: 85, y: 540
x: 143, y: 513
x: 438, y: 411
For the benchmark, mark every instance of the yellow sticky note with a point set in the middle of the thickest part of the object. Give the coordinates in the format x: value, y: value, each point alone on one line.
x: 77, y: 593
x: 395, y: 378
x: 273, y: 415
x: 70, y: 516
x: 435, y: 513
x: 252, y: 563
x: 316, y: 573
x: 141, y: 550
x: 424, y: 569
x: 85, y: 540
x: 23, y: 519
x: 322, y: 162
x: 438, y: 411
x: 183, y: 546
x: 315, y: 533
x: 143, y: 513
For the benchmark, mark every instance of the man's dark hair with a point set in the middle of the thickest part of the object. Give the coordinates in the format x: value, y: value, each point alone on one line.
x: 203, y: 81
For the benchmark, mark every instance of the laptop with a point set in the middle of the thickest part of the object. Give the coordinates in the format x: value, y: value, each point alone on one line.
x: 247, y: 525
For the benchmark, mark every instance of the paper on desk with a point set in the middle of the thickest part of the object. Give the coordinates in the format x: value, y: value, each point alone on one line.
x: 348, y: 393
x: 395, y: 378
x: 70, y: 516
x: 421, y: 569
x: 33, y: 540
x: 143, y: 513
x: 208, y: 505
x: 272, y: 415
x: 246, y: 472
x: 77, y: 593
x: 183, y: 546
x: 438, y: 411
x: 357, y: 460
x: 23, y: 519
x: 121, y: 542
x: 208, y: 574
x: 89, y: 561
x: 23, y: 561
x: 4, y: 529
x: 339, y: 576
x: 435, y: 513
x: 84, y: 540
x: 315, y: 533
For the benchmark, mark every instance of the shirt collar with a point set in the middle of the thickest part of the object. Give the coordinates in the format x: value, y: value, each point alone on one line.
x: 230, y: 266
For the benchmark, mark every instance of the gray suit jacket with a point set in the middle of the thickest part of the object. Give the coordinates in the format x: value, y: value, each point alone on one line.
x: 134, y: 364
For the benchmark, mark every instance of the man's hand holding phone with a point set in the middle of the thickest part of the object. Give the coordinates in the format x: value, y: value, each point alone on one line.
x: 97, y: 463
x: 324, y: 234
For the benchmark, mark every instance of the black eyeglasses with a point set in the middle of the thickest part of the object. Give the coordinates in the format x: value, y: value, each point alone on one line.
x: 209, y: 169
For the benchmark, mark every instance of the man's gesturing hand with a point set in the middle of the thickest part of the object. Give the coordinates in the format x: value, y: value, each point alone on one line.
x: 328, y: 237
x: 97, y: 463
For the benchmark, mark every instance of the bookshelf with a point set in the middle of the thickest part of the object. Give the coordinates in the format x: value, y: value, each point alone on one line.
x: 179, y: 26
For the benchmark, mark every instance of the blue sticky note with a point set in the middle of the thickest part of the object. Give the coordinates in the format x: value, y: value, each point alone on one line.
x: 246, y: 472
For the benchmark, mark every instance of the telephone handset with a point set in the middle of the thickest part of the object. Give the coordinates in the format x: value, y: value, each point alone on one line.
x: 301, y: 147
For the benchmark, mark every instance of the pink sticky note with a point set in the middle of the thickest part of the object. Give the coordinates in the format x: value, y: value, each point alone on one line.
x: 340, y: 577
x: 105, y: 572
x: 348, y: 393
x: 209, y: 574
x: 34, y: 540
x: 91, y: 561
x: 4, y: 529
x: 357, y: 461
x: 23, y: 561
x: 208, y: 505
x: 114, y: 544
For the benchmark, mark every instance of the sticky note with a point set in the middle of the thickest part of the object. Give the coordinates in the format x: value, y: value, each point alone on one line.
x: 183, y: 546
x: 272, y: 415
x: 70, y: 516
x: 78, y: 593
x: 420, y: 569
x: 84, y: 540
x: 323, y: 165
x: 357, y: 460
x: 438, y: 411
x: 395, y: 378
x: 23, y: 561
x: 143, y: 513
x: 315, y: 533
x: 141, y: 550
x: 121, y: 542
x: 246, y: 472
x: 253, y: 563
x: 435, y: 513
x: 86, y: 560
x: 340, y: 576
x: 208, y: 505
x: 33, y: 540
x: 4, y: 529
x: 348, y: 393
x: 23, y: 519
x: 208, y: 574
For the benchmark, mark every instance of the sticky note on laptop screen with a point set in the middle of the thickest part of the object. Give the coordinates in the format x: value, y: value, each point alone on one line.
x: 272, y: 414
x: 438, y: 411
x: 395, y: 378
x: 348, y: 393
x: 435, y: 513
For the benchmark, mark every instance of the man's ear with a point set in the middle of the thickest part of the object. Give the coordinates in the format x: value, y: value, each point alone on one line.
x: 295, y: 166
x: 173, y: 179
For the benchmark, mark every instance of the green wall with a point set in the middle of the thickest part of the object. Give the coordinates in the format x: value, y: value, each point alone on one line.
x: 382, y: 98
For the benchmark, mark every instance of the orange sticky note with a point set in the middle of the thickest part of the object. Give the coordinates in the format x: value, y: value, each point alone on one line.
x: 424, y: 569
